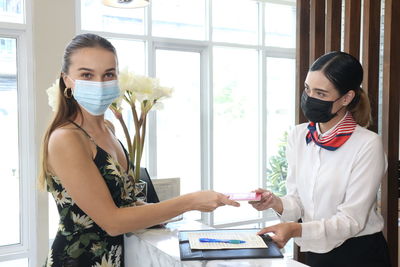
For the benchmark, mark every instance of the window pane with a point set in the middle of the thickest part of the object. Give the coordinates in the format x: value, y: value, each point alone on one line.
x: 178, y: 124
x: 12, y: 11
x: 280, y: 116
x: 179, y: 18
x: 97, y: 17
x: 15, y: 263
x: 235, y: 21
x: 235, y: 128
x: 9, y: 167
x: 280, y: 25
x: 131, y: 54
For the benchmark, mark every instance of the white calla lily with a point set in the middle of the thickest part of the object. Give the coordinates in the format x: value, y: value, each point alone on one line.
x: 144, y: 93
x: 52, y: 94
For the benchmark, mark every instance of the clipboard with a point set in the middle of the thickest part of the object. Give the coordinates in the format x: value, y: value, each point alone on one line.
x: 187, y: 254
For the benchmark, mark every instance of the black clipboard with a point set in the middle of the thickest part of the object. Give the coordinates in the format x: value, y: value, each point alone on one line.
x: 188, y: 254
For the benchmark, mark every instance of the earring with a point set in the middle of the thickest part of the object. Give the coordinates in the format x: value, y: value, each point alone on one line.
x: 68, y: 92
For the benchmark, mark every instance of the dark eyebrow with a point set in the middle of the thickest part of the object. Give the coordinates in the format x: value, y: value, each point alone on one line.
x: 87, y: 69
x: 321, y: 90
x: 317, y: 89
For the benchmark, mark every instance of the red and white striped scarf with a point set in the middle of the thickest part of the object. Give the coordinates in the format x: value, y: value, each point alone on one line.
x: 339, y: 135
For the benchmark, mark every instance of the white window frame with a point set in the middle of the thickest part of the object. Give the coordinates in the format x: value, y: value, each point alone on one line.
x: 205, y: 48
x: 27, y: 155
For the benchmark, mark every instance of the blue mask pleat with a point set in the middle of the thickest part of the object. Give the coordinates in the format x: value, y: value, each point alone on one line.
x: 96, y: 97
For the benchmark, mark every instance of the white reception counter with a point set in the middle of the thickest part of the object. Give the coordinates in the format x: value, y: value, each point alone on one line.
x: 160, y: 248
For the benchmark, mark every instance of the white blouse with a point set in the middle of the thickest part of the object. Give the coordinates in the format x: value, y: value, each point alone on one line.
x: 333, y: 192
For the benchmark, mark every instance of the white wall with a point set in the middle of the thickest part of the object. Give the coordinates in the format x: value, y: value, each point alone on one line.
x: 53, y: 23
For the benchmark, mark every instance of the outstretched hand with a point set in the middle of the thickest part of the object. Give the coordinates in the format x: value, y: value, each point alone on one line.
x: 208, y: 201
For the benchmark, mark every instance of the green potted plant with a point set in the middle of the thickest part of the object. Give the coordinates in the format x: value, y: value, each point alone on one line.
x: 277, y: 169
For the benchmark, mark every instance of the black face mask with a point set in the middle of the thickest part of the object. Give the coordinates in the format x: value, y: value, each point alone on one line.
x: 317, y: 110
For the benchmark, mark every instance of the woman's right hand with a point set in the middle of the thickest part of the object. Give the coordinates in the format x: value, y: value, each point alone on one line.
x: 207, y: 201
x: 268, y: 200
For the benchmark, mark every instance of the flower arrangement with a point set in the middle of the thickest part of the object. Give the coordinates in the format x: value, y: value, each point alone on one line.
x: 139, y: 92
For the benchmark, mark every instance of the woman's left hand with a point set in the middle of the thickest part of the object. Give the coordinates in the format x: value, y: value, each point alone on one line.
x: 283, y: 232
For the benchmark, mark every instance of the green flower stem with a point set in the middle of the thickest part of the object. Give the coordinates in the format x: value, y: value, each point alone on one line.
x: 127, y: 135
x: 144, y: 116
x: 137, y: 143
x: 120, y: 118
x: 132, y: 156
x: 138, y: 157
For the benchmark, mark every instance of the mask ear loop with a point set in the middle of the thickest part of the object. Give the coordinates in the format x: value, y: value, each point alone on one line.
x: 339, y: 108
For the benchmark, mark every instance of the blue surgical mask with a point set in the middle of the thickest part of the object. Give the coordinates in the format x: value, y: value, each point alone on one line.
x: 96, y: 97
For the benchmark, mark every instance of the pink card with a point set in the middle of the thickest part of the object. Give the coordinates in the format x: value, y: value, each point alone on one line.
x: 244, y: 196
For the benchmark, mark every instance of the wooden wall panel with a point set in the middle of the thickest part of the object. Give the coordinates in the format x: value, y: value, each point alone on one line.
x: 333, y: 25
x: 370, y: 56
x: 317, y: 29
x: 302, y: 66
x: 390, y: 120
x: 302, y: 51
x: 352, y: 18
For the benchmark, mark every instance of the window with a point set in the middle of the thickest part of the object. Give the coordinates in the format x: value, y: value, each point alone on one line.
x: 12, y: 11
x: 15, y: 263
x: 280, y: 73
x: 131, y: 54
x: 183, y: 19
x: 17, y: 201
x: 280, y: 25
x: 179, y: 123
x: 97, y: 17
x: 236, y: 129
x: 9, y: 167
x: 233, y: 74
x: 239, y: 25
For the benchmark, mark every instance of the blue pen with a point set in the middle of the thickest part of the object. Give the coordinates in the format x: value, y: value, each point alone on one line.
x: 230, y: 241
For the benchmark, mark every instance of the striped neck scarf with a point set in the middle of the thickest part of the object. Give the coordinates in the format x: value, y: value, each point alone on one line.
x: 337, y: 137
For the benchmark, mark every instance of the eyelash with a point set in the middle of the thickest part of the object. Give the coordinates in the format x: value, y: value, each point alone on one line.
x: 86, y: 75
x: 109, y: 75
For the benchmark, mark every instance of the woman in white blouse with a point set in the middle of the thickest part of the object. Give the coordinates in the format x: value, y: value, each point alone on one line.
x: 335, y: 167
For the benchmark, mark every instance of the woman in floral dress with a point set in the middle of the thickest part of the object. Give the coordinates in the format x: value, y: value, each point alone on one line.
x: 87, y: 169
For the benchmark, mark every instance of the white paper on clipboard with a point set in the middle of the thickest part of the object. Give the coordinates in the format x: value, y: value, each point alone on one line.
x: 252, y: 240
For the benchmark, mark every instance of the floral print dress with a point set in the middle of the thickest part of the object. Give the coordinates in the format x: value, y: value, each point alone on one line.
x: 79, y: 240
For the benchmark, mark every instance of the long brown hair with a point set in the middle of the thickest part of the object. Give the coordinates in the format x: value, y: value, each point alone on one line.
x: 346, y: 73
x: 67, y: 108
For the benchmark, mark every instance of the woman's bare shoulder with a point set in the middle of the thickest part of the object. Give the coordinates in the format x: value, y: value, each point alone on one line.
x: 67, y: 136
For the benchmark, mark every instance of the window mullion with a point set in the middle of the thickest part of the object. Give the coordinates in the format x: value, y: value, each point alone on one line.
x: 262, y: 102
x: 206, y: 119
x: 152, y: 127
